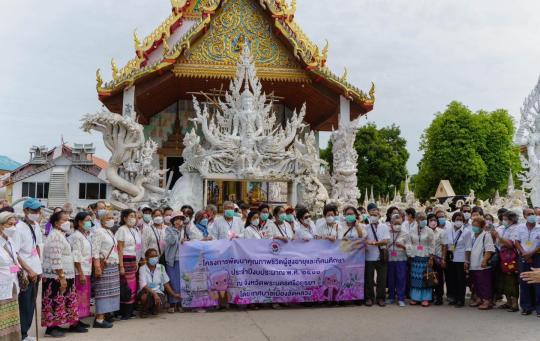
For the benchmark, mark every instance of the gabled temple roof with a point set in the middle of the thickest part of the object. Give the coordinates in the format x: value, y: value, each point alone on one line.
x: 167, y: 45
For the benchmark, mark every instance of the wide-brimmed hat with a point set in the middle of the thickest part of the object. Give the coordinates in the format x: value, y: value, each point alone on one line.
x: 5, y: 216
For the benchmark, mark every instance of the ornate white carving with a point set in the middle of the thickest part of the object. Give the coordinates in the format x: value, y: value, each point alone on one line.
x: 528, y: 134
x: 344, y: 181
x: 130, y: 169
x: 241, y: 138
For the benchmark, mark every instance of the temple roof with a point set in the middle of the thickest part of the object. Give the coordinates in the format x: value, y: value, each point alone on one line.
x: 174, y: 46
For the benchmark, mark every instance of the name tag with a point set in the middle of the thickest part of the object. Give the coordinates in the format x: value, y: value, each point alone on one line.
x: 35, y: 252
x: 393, y: 254
x: 420, y: 248
x: 452, y: 248
x: 14, y: 269
x: 152, y: 285
x: 529, y: 243
x: 138, y: 247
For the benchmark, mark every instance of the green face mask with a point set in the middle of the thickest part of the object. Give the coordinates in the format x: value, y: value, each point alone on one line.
x: 350, y: 218
x: 282, y: 217
x: 87, y: 225
x: 476, y: 229
x: 265, y: 216
x: 289, y: 218
x: 229, y: 213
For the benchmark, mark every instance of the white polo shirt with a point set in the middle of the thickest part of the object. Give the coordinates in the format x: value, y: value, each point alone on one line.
x: 479, y: 245
x: 222, y: 229
x: 459, y: 243
x: 529, y: 239
x: 383, y: 233
x: 27, y: 246
x: 155, y: 280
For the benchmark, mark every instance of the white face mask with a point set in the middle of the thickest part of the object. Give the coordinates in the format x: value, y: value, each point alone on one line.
x: 373, y: 219
x: 458, y: 224
x: 66, y: 226
x: 158, y: 220
x: 255, y: 222
x: 131, y: 222
x: 467, y: 216
x: 396, y: 228
x: 34, y: 217
x: 330, y: 220
x: 10, y: 231
x: 167, y: 219
x: 109, y: 223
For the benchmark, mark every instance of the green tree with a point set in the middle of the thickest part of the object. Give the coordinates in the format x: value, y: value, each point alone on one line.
x: 382, y: 158
x: 471, y: 150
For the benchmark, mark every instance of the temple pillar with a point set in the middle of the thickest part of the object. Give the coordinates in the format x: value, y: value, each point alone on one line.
x: 344, y: 181
x: 128, y: 103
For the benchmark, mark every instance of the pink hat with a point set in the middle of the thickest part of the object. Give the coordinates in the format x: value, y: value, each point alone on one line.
x: 176, y: 215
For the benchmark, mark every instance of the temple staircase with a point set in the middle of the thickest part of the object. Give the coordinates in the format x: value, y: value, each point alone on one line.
x: 58, y: 187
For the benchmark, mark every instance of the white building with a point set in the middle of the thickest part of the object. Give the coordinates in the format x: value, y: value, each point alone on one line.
x: 63, y: 174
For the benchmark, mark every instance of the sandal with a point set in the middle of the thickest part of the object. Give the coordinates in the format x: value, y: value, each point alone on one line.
x: 504, y: 306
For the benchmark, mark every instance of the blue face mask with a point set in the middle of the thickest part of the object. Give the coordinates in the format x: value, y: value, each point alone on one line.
x: 476, y: 229
x: 441, y: 221
x: 153, y: 261
x: 204, y: 222
x: 531, y: 219
x: 422, y: 224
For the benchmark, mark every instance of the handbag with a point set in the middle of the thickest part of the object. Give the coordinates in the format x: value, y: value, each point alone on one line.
x: 430, y: 278
x: 383, y: 253
x: 22, y: 278
x: 508, y: 260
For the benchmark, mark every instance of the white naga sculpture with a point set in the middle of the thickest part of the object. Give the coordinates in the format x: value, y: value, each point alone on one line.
x: 130, y: 169
x: 344, y: 181
x: 528, y: 135
x: 240, y: 138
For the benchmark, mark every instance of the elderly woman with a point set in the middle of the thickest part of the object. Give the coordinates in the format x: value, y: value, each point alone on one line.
x: 458, y: 240
x: 59, y: 297
x: 153, y: 234
x: 198, y: 230
x: 440, y: 235
x: 81, y: 249
x: 254, y: 229
x: 10, y: 327
x: 508, y: 284
x: 304, y: 228
x: 279, y: 228
x: 481, y: 251
x: 129, y: 253
x: 106, y: 279
x: 397, y: 261
x: 174, y: 236
x: 421, y: 247
x: 153, y: 282
x: 327, y: 228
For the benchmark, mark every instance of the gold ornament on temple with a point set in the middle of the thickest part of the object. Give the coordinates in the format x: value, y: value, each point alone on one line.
x: 99, y: 80
x: 114, y: 69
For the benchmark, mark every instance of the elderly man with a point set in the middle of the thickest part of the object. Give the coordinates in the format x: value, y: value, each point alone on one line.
x: 229, y: 226
x: 211, y: 213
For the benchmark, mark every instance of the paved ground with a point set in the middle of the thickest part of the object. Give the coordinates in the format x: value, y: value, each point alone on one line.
x: 344, y: 323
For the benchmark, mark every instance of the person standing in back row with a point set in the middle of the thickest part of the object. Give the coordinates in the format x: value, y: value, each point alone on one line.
x: 378, y: 236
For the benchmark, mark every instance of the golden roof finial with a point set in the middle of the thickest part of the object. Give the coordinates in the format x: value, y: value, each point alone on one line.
x: 136, y: 41
x: 166, y: 48
x: 372, y: 92
x: 325, y: 50
x: 293, y: 7
x: 174, y: 3
x: 99, y: 80
x: 114, y: 68
x: 345, y: 75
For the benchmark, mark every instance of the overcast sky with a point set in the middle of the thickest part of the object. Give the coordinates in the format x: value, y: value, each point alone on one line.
x: 421, y: 55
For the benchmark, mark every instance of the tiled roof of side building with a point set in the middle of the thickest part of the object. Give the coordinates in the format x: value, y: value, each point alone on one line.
x: 7, y: 164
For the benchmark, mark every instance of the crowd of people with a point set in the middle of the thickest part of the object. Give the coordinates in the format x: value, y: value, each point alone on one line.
x: 112, y: 265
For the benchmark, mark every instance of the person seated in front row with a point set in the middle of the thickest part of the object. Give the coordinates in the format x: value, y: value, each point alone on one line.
x: 153, y: 283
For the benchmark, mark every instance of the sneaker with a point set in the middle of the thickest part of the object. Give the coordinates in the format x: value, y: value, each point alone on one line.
x: 77, y: 329
x: 103, y: 324
x: 401, y: 304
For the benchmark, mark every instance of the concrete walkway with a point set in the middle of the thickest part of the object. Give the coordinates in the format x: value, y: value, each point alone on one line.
x: 341, y: 324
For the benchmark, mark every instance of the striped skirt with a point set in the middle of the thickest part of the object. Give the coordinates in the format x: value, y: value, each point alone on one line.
x: 84, y: 291
x: 418, y: 291
x: 10, y: 323
x: 130, y: 278
x: 57, y: 308
x: 107, y: 290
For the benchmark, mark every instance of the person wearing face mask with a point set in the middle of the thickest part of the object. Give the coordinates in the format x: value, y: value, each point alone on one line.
x: 440, y: 235
x: 508, y: 284
x: 175, y: 235
x: 153, y: 235
x: 351, y: 228
x: 153, y: 283
x: 10, y: 328
x: 106, y: 278
x: 211, y: 214
x: 264, y: 216
x: 146, y: 218
x: 198, y: 230
x: 458, y: 250
x: 481, y: 251
x: 304, y: 229
x: 129, y: 253
x: 101, y: 210
x: 278, y: 227
x: 378, y: 237
x: 81, y: 249
x: 410, y: 214
x: 187, y: 211
x: 59, y: 297
x: 229, y: 226
x: 527, y: 241
x: 397, y: 261
x: 421, y: 248
x: 327, y: 227
x: 167, y: 215
x: 466, y: 210
x: 253, y: 229
x: 28, y: 241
